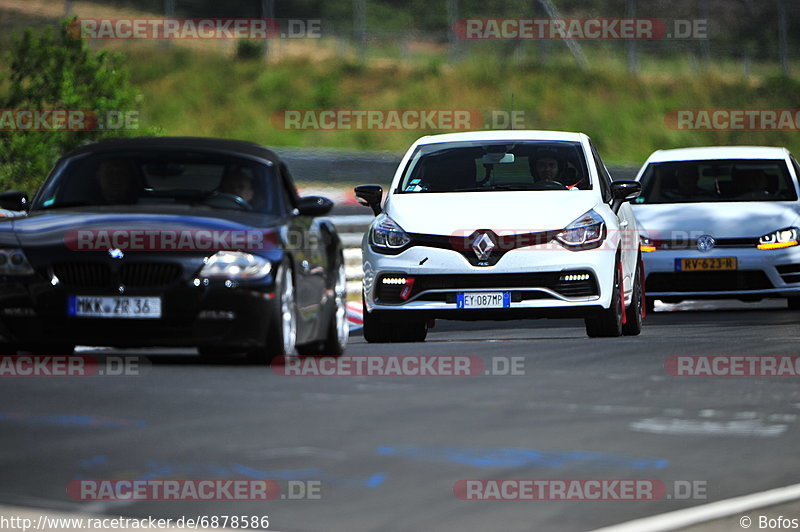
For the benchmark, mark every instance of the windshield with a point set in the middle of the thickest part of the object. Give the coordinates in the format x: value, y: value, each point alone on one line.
x: 717, y: 181
x: 162, y: 177
x: 489, y: 166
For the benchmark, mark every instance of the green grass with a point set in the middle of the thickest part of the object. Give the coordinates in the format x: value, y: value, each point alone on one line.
x: 189, y: 93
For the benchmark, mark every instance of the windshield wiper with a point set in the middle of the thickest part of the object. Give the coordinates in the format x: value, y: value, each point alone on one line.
x: 520, y: 186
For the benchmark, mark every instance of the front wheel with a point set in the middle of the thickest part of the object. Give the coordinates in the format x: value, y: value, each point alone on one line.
x: 608, y: 323
x: 282, y: 328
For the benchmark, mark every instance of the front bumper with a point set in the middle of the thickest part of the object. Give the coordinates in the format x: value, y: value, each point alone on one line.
x: 532, y: 275
x: 237, y: 318
x: 759, y: 274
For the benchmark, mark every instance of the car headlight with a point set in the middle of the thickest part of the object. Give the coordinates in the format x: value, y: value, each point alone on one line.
x: 14, y: 262
x: 782, y: 238
x: 587, y: 232
x: 235, y: 265
x: 385, y: 233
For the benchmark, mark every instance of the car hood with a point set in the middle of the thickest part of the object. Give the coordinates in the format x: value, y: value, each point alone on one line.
x: 721, y: 220
x: 52, y: 230
x: 522, y: 211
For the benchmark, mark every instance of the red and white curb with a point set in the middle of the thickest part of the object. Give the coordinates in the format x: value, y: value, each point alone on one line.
x: 354, y: 315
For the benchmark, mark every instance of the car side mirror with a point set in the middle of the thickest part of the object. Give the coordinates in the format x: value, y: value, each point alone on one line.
x: 626, y: 190
x: 14, y: 200
x: 314, y: 206
x: 370, y: 196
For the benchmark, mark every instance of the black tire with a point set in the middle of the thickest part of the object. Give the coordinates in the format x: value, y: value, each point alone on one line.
x: 282, y: 328
x: 608, y: 322
x: 633, y: 314
x: 337, y: 329
x: 793, y: 303
x: 380, y: 329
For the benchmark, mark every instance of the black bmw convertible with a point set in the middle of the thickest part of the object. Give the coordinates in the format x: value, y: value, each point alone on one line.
x: 171, y: 242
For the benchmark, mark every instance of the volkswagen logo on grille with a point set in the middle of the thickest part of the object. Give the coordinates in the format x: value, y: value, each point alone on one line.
x: 482, y: 245
x: 706, y: 243
x: 115, y: 253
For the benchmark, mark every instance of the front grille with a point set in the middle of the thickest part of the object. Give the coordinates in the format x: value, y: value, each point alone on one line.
x: 790, y: 273
x: 83, y: 274
x: 100, y: 275
x: 684, y: 243
x: 146, y: 275
x: 730, y: 281
x: 456, y: 283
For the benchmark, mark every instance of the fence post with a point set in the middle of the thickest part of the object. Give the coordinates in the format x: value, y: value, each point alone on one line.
x: 360, y: 27
x: 452, y: 38
x: 782, y: 37
x: 633, y: 59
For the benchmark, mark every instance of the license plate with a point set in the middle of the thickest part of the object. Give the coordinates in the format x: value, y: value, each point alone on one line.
x: 705, y: 264
x: 114, y: 307
x: 483, y: 300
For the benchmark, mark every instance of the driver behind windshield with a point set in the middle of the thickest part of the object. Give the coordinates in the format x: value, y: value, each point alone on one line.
x: 545, y: 165
x: 236, y: 182
x: 118, y: 181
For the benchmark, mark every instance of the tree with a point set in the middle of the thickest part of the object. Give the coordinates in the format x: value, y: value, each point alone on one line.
x: 56, y: 70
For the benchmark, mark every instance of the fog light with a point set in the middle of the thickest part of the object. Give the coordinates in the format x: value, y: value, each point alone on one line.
x: 575, y: 277
x: 393, y: 280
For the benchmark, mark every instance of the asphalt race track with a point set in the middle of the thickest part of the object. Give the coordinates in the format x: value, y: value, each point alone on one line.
x: 384, y: 453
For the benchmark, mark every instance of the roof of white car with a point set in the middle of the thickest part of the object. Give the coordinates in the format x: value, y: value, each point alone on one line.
x: 718, y: 152
x: 515, y: 134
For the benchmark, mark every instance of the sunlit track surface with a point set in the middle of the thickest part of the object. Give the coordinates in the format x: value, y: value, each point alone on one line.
x: 389, y: 450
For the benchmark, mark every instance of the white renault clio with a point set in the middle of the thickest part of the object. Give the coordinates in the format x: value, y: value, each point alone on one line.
x: 721, y: 222
x: 501, y: 225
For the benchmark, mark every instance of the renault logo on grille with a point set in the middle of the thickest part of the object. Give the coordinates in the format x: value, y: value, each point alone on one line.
x: 706, y: 243
x: 483, y: 245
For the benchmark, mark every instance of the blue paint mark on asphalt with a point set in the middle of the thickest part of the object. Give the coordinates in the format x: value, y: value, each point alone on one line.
x: 70, y: 420
x: 518, y: 457
x: 376, y: 480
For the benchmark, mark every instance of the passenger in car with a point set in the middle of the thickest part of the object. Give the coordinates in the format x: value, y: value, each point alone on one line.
x: 685, y: 184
